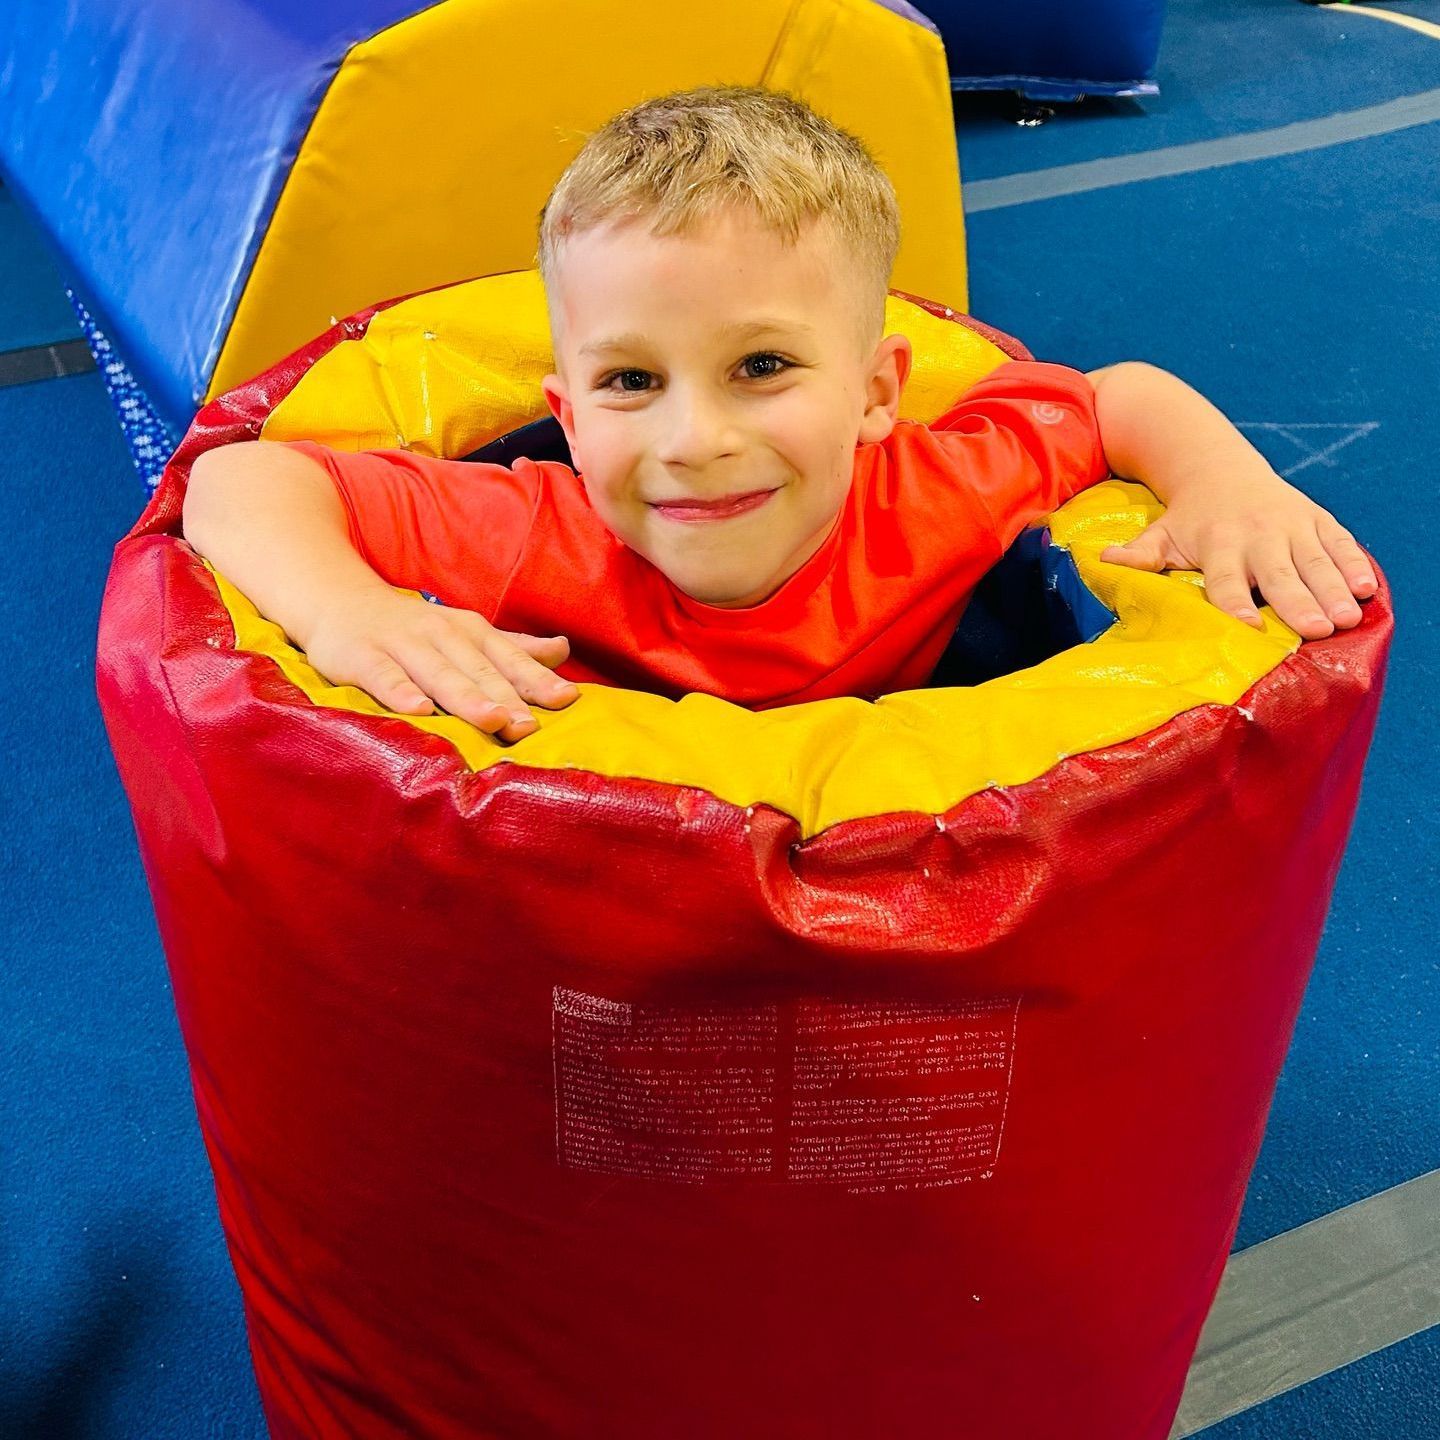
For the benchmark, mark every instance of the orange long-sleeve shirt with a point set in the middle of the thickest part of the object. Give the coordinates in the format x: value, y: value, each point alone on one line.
x: 929, y: 511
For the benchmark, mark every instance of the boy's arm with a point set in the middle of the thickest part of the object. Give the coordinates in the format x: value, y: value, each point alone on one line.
x: 1228, y: 513
x: 270, y: 520
x: 272, y: 523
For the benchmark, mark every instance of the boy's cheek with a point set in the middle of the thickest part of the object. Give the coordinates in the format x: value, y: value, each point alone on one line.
x: 595, y: 445
x: 611, y: 467
x: 613, y: 500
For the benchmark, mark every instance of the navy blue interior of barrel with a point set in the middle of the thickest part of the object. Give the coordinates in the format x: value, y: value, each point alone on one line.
x: 540, y: 440
x: 1030, y: 606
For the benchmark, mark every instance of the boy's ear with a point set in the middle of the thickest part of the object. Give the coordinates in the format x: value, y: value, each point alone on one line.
x: 889, y: 370
x: 558, y: 399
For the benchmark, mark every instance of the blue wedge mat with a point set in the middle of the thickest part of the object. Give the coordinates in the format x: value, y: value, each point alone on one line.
x: 157, y: 184
x: 1227, y: 67
x: 33, y: 309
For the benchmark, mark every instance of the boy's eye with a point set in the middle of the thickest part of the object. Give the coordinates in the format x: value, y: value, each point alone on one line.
x: 632, y: 382
x: 763, y: 365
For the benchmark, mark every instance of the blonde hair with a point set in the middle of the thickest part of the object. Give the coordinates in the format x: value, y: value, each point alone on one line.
x: 676, y: 159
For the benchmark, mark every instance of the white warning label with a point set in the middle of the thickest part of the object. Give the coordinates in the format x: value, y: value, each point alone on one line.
x: 875, y: 1096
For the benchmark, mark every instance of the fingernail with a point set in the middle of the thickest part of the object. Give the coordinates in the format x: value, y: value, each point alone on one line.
x: 522, y: 717
x: 1344, y: 611
x: 1247, y: 614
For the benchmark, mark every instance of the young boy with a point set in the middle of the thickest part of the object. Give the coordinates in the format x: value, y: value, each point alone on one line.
x: 749, y: 517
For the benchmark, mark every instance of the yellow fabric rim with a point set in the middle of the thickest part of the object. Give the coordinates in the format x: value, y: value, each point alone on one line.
x: 449, y: 371
x: 920, y: 750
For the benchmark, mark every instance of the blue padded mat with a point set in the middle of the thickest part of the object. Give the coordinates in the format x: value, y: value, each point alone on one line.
x: 1226, y: 67
x: 32, y: 309
x: 181, y: 171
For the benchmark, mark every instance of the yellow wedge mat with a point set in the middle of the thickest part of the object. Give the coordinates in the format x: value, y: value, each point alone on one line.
x: 438, y: 140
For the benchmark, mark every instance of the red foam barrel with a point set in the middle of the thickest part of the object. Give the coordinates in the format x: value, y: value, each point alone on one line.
x: 548, y: 1105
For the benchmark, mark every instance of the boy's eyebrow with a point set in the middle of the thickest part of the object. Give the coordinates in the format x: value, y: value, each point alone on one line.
x: 740, y: 331
x: 747, y: 329
x: 614, y: 342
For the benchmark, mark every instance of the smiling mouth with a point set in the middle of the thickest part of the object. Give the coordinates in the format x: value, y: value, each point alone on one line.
x: 726, y: 506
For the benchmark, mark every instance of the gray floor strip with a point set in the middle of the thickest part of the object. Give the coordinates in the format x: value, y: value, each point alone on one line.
x: 1009, y: 190
x: 45, y: 362
x: 1307, y: 1302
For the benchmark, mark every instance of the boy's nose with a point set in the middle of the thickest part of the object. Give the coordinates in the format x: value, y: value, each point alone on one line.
x: 696, y: 432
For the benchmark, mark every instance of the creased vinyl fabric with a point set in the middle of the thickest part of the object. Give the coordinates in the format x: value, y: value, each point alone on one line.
x: 551, y: 1100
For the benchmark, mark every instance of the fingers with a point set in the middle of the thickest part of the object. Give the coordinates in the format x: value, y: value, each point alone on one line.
x: 1151, y: 549
x: 1304, y: 563
x: 413, y: 657
x: 1135, y: 555
x: 472, y: 688
x: 1227, y: 584
x: 528, y: 660
x: 407, y: 681
x: 1326, y: 584
x: 463, y: 681
x: 549, y: 650
x: 1304, y: 586
x: 1348, y: 557
x: 523, y: 660
x: 488, y: 679
x: 1278, y: 580
x: 386, y: 681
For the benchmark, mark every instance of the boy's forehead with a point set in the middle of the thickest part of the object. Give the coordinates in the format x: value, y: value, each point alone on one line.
x: 727, y: 273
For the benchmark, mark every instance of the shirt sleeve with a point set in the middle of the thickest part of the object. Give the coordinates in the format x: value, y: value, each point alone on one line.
x: 1026, y: 439
x: 452, y: 528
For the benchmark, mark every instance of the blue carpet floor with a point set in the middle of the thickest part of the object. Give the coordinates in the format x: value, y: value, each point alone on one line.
x: 119, y: 1314
x: 1299, y: 292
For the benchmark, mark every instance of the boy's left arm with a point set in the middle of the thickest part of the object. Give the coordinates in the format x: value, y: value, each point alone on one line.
x: 1228, y: 513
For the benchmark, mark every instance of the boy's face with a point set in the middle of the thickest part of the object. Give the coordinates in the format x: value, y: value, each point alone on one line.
x: 713, y: 386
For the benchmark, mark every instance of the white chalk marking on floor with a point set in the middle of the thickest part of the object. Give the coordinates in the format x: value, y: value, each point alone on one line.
x: 1353, y: 432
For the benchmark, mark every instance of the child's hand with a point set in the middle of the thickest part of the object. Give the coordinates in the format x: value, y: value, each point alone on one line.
x: 408, y: 653
x: 1257, y: 530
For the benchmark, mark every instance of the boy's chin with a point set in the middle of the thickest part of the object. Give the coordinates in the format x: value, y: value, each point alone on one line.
x: 736, y: 594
